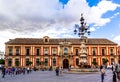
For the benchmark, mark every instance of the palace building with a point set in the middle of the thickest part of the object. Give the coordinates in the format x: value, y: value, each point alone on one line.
x: 61, y: 52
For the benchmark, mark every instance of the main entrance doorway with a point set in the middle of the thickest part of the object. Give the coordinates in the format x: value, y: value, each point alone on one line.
x: 65, y: 63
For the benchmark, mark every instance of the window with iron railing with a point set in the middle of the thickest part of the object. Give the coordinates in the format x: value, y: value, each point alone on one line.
x: 77, y: 61
x: 65, y: 51
x: 27, y: 51
x: 112, y: 61
x: 37, y: 52
x: 111, y: 52
x: 94, y: 53
x: 9, y: 62
x: 94, y: 59
x: 54, y: 51
x: 37, y: 61
x: 27, y: 61
x: 76, y: 52
x: 17, y: 51
x: 54, y: 62
x: 17, y: 63
x: 103, y: 52
x: 10, y: 52
x: 46, y: 51
x: 46, y: 62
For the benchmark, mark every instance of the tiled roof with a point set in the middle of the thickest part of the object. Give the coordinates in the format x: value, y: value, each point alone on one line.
x: 74, y: 41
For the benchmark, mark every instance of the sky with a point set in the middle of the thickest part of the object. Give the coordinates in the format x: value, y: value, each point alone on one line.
x: 57, y: 19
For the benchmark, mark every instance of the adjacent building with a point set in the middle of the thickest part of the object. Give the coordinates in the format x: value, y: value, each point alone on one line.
x: 61, y: 52
x: 1, y: 55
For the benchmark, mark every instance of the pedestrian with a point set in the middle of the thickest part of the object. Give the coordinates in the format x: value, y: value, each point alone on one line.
x: 114, y: 73
x: 13, y: 71
x: 23, y: 71
x: 28, y: 70
x: 61, y: 71
x: 102, y: 70
x: 3, y: 72
x: 117, y: 70
x: 114, y: 77
x: 57, y: 71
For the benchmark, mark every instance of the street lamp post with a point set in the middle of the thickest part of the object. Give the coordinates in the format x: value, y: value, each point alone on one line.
x: 81, y: 30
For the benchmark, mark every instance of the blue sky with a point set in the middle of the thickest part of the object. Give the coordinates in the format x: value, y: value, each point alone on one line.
x: 37, y: 18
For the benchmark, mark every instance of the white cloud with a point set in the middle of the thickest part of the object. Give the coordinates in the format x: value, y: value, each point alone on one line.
x: 117, y: 39
x: 37, y: 18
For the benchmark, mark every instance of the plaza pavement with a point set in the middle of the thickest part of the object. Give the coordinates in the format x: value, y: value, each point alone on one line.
x: 50, y: 76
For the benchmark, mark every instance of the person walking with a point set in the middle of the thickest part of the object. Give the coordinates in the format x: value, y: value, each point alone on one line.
x: 114, y: 73
x: 61, y: 71
x: 3, y: 72
x: 57, y: 71
x: 114, y: 77
x: 117, y: 70
x: 102, y: 70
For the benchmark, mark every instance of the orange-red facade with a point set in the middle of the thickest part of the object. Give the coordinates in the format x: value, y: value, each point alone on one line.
x: 58, y: 52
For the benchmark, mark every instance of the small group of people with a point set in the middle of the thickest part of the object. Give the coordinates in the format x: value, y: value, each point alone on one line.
x: 59, y: 71
x: 14, y: 71
x: 115, y: 70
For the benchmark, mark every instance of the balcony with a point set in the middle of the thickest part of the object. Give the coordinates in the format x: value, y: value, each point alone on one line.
x: 46, y: 54
x: 103, y: 54
x: 54, y: 54
x: 27, y: 54
x: 76, y: 54
x: 112, y: 54
x: 94, y: 54
x: 17, y: 54
x: 10, y: 54
x: 65, y: 53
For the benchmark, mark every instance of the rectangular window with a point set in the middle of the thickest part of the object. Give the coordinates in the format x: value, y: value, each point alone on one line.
x: 27, y: 51
x: 17, y: 51
x: 94, y: 51
x: 54, y: 62
x: 54, y: 51
x: 46, y: 62
x: 27, y: 61
x: 45, y: 51
x: 17, y: 63
x: 111, y: 52
x: 112, y: 61
x: 37, y: 52
x: 10, y: 51
x: 94, y: 59
x: 76, y: 52
x: 9, y: 62
x: 103, y: 52
x: 37, y: 61
x: 77, y: 61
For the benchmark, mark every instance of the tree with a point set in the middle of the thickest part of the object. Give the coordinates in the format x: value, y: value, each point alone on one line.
x: 38, y: 63
x: 2, y: 61
x: 17, y: 63
x: 30, y: 62
x: 42, y: 64
x: 94, y: 63
x: 105, y: 61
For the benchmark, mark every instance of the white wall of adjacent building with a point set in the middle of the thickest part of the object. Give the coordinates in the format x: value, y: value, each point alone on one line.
x: 1, y: 55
